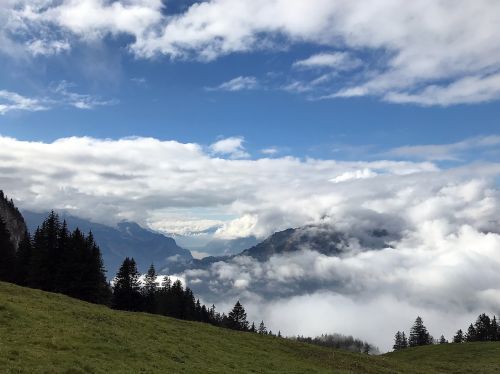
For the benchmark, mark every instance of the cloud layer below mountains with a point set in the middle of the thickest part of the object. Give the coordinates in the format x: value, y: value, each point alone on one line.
x: 442, y: 260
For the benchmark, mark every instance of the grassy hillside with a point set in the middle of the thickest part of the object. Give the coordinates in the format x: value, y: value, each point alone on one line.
x: 47, y: 333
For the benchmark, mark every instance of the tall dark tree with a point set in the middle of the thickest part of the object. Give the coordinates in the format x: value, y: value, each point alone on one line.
x: 399, y: 341
x: 237, y: 318
x: 43, y: 267
x: 419, y: 334
x: 442, y: 340
x: 7, y: 255
x: 150, y: 290
x: 494, y: 330
x: 127, y: 289
x: 23, y: 259
x: 471, y: 334
x: 459, y: 337
x: 262, y: 328
x: 482, y: 328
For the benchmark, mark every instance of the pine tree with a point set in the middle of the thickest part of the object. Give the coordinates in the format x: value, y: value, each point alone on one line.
x: 149, y: 290
x: 482, y: 328
x: 23, y: 258
x: 442, y: 340
x: 253, y: 328
x: 459, y: 337
x: 237, y: 318
x: 471, y: 334
x: 45, y: 254
x: 419, y: 334
x: 494, y: 335
x: 398, y: 342
x: 262, y: 328
x: 7, y: 255
x: 404, y: 341
x: 126, y: 290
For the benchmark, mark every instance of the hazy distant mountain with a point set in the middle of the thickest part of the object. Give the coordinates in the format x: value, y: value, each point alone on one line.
x: 321, y: 239
x: 127, y: 239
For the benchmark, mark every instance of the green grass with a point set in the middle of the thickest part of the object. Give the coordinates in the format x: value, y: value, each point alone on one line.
x: 47, y: 333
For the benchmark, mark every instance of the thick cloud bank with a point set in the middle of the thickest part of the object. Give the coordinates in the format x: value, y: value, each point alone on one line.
x: 440, y: 256
x: 426, y: 52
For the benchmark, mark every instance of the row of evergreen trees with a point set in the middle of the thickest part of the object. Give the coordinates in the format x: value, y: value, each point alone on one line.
x: 55, y: 260
x: 418, y: 336
x: 171, y: 299
x: 483, y: 330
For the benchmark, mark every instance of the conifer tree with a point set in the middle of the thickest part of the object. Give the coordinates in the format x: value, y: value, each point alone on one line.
x: 404, y: 341
x: 23, y: 258
x: 442, y: 340
x: 237, y: 318
x: 482, y: 328
x: 419, y: 334
x: 494, y: 330
x: 126, y: 290
x: 398, y: 342
x: 149, y: 290
x: 459, y: 337
x: 262, y: 328
x: 471, y: 334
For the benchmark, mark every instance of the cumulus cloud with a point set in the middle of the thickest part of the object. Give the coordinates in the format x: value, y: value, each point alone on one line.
x: 232, y: 147
x: 421, y: 59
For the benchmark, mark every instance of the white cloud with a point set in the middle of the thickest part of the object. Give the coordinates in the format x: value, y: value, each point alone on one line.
x: 238, y: 84
x: 12, y: 101
x: 271, y: 151
x: 419, y: 57
x: 232, y: 146
x: 47, y: 48
x: 336, y: 61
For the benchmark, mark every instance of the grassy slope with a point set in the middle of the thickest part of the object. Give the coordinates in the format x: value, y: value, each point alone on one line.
x: 43, y: 332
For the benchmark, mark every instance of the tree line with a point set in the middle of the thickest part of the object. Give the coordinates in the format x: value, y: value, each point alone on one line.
x: 170, y: 298
x: 482, y: 330
x: 57, y: 260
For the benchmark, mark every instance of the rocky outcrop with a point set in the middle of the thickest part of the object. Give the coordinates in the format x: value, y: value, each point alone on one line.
x: 13, y: 219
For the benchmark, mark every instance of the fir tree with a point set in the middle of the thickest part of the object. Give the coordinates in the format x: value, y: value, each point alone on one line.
x: 23, y: 258
x: 126, y: 290
x: 494, y: 330
x: 442, y: 340
x: 459, y: 337
x: 419, y: 334
x: 262, y: 328
x: 149, y: 290
x: 237, y: 318
x: 482, y: 328
x: 398, y: 341
x: 253, y: 328
x: 471, y: 334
